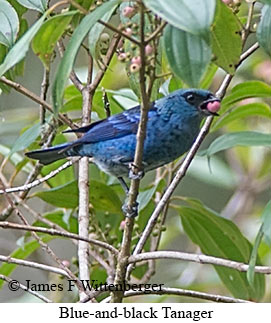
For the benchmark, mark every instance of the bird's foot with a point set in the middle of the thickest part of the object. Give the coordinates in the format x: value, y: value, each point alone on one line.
x: 130, y: 212
x: 132, y: 175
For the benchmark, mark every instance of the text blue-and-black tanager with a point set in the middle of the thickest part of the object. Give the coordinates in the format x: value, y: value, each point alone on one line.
x: 173, y: 124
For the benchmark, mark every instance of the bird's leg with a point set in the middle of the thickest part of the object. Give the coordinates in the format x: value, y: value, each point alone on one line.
x: 124, y: 185
x: 140, y: 174
x: 130, y: 212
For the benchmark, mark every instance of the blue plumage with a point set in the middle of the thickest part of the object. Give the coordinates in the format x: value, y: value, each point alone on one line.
x: 173, y: 123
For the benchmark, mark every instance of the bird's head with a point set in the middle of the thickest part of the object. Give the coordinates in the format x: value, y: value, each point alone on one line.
x: 196, y: 100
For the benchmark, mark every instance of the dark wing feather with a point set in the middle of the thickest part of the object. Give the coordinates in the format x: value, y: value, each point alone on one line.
x: 116, y: 126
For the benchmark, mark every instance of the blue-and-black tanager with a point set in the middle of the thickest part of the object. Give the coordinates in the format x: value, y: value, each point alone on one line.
x: 173, y: 124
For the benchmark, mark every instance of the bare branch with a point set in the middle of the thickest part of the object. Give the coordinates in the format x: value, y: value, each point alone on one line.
x: 39, y: 181
x: 83, y: 187
x: 137, y: 165
x: 109, y: 55
x: 53, y: 232
x: 187, y: 293
x: 32, y: 264
x: 43, y: 93
x: 156, y: 32
x: 201, y: 259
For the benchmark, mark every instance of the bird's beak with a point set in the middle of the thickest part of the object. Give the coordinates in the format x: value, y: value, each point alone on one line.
x: 210, y: 106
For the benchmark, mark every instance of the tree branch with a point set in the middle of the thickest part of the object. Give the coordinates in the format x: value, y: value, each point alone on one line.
x: 187, y: 293
x: 201, y: 259
x: 27, y: 187
x: 53, y: 232
x: 83, y: 187
x: 136, y: 167
x: 26, y: 263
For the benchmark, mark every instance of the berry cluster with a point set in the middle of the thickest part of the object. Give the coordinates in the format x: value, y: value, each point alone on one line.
x: 131, y: 29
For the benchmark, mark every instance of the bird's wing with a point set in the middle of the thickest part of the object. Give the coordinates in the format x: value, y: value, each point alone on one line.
x: 116, y: 126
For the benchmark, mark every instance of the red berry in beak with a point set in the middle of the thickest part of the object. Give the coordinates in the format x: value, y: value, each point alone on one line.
x: 213, y: 106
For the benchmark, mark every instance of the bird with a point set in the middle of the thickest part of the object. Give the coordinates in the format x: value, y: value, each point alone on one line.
x: 173, y: 124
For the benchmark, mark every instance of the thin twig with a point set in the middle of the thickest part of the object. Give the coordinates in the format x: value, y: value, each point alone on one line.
x: 32, y: 264
x: 247, y: 29
x: 119, y: 32
x: 53, y: 232
x: 187, y: 293
x: 43, y: 94
x: 27, y: 187
x: 156, y: 32
x: 23, y: 287
x: 107, y: 59
x: 201, y: 259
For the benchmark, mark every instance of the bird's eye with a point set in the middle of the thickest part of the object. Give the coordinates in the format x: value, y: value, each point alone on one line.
x: 190, y: 98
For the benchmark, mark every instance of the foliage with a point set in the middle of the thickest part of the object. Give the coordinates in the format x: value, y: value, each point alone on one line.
x: 186, y: 44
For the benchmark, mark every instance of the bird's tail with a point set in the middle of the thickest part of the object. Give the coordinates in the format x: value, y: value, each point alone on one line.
x: 49, y: 155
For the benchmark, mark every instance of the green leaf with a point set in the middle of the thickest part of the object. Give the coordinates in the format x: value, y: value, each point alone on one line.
x: 264, y: 29
x: 18, y: 51
x: 245, y: 90
x: 96, y: 31
x: 29, y: 136
x: 101, y: 196
x: 19, y: 68
x: 72, y: 104
x: 226, y: 38
x: 233, y: 139
x: 39, y: 5
x: 9, y: 24
x: 194, y: 16
x: 59, y: 217
x: 46, y: 38
x: 188, y: 55
x: 18, y: 7
x: 66, y: 64
x: 221, y: 238
x: 22, y: 253
x: 242, y: 111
